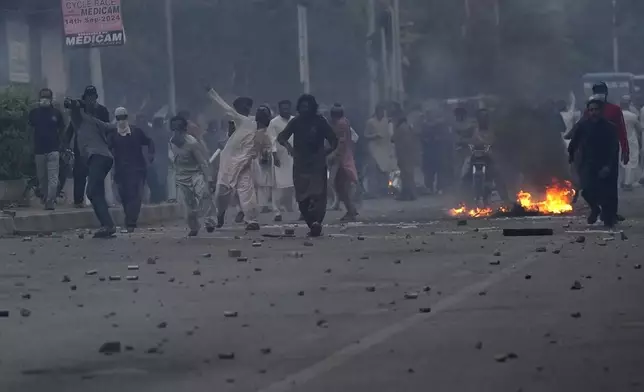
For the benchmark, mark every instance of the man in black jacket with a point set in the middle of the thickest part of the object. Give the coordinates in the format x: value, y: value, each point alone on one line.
x: 598, y: 169
x: 80, y: 170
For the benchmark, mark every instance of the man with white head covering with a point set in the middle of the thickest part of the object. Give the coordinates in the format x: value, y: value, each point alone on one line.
x: 130, y: 166
x: 628, y: 171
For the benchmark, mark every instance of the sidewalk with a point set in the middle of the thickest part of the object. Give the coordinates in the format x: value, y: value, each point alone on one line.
x: 34, y: 220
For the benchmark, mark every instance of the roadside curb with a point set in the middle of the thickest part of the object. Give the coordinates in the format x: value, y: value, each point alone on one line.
x: 82, y: 219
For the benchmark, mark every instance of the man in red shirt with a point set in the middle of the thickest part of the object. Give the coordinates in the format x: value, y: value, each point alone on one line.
x: 613, y: 113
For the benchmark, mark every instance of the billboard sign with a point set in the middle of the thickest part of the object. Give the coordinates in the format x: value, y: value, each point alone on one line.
x: 93, y: 23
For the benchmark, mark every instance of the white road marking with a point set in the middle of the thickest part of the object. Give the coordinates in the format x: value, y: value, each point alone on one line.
x: 347, y: 353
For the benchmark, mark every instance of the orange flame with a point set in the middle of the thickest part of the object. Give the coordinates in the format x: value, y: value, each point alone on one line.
x: 474, y: 212
x: 558, y: 200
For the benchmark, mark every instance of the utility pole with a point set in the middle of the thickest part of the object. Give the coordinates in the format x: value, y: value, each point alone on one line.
x: 397, y: 77
x: 615, y: 39
x: 372, y: 62
x: 172, y: 90
x: 303, y: 39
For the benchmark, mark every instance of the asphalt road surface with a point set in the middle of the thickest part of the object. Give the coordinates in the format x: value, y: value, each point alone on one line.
x: 374, y: 306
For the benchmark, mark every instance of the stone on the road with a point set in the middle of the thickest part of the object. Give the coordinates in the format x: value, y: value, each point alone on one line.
x: 226, y: 356
x: 162, y: 325
x: 289, y: 231
x: 4, y: 313
x: 580, y: 240
x: 133, y: 267
x: 576, y: 285
x: 623, y: 236
x: 541, y: 249
x: 322, y: 324
x: 425, y: 310
x: 257, y: 245
x: 234, y: 253
x: 110, y: 348
x: 575, y: 315
x: 308, y: 243
x: 295, y: 254
x: 207, y: 255
x: 25, y: 312
x: 496, y: 253
x: 230, y: 314
x: 495, y: 262
x: 478, y: 345
x: 242, y: 259
x: 91, y: 272
x: 115, y: 278
x: 27, y: 239
x: 370, y: 289
x: 266, y: 350
x: 66, y: 279
x: 638, y: 266
x: 151, y: 260
x: 132, y: 278
x: 196, y: 272
x: 26, y: 296
x: 411, y: 295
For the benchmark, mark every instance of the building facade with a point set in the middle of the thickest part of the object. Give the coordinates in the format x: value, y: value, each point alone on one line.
x: 32, y: 45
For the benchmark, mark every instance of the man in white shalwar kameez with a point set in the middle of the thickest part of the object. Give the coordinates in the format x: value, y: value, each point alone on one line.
x: 378, y: 133
x: 628, y: 172
x: 235, y: 162
x: 283, y: 192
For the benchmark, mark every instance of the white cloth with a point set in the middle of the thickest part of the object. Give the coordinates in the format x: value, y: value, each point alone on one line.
x: 240, y: 149
x: 284, y: 173
x: 631, y: 121
x: 262, y: 166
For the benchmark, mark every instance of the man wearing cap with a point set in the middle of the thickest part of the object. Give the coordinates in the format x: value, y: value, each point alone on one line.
x: 80, y: 169
x: 130, y: 166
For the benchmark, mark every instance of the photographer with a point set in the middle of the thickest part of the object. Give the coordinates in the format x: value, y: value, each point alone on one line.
x: 80, y: 170
x: 91, y: 135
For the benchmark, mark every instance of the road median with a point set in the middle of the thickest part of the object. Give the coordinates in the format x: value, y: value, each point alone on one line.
x: 34, y: 222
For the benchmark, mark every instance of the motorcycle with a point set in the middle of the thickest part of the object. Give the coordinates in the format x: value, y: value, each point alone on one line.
x: 481, y: 183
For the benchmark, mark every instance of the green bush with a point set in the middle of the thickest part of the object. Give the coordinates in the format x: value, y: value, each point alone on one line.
x: 16, y: 147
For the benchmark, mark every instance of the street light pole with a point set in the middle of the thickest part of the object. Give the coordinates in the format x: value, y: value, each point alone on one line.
x: 303, y: 41
x: 615, y: 39
x: 172, y: 93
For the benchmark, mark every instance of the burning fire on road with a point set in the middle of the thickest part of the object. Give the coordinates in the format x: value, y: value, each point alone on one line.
x: 557, y: 200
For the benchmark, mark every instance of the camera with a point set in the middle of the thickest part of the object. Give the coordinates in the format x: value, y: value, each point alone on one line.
x: 72, y: 104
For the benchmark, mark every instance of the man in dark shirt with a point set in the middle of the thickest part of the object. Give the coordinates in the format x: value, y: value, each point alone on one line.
x: 48, y: 124
x: 309, y: 130
x: 598, y: 169
x: 80, y: 170
x: 130, y: 165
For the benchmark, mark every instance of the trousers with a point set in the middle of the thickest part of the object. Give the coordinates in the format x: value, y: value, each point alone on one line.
x: 98, y: 167
x: 130, y: 189
x: 47, y: 171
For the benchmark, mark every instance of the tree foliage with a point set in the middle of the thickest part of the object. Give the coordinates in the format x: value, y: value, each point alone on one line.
x: 16, y: 151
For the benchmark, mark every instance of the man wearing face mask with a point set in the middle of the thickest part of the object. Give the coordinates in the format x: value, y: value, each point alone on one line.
x: 48, y: 124
x: 130, y: 166
x: 80, y: 169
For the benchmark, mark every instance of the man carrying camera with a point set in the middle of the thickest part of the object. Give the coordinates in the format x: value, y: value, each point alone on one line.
x: 91, y: 143
x: 80, y: 169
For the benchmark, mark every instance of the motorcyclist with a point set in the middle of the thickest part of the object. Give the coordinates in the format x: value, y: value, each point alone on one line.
x: 483, y: 137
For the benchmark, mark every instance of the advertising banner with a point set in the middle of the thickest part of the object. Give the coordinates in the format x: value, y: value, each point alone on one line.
x: 92, y: 23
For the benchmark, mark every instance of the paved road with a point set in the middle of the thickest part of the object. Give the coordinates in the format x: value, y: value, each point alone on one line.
x: 330, y: 314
